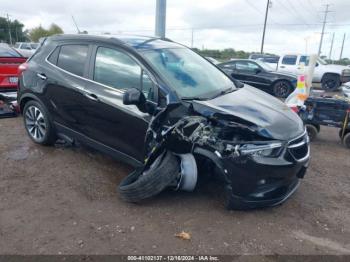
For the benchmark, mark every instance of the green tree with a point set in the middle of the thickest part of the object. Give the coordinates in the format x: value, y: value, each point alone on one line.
x: 55, y: 30
x: 15, y: 28
x: 38, y: 32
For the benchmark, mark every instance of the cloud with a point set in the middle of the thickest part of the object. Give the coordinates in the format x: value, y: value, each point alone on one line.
x: 217, y: 24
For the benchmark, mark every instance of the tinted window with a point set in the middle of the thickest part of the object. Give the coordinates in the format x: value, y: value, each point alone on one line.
x: 72, y: 58
x: 289, y: 60
x: 116, y: 69
x: 54, y: 56
x: 246, y: 66
x: 8, y: 52
x: 228, y: 66
x: 304, y: 59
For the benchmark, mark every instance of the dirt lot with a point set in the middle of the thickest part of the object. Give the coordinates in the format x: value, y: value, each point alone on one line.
x: 58, y: 200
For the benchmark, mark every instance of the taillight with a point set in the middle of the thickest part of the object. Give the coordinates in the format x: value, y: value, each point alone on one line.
x: 22, y: 67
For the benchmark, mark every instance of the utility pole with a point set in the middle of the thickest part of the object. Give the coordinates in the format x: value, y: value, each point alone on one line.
x: 9, y: 25
x: 323, y: 27
x: 342, y: 47
x: 160, y: 18
x: 192, y: 32
x: 330, y: 50
x: 263, y: 36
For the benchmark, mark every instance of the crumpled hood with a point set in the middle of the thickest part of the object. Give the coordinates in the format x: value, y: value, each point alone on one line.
x: 266, y: 114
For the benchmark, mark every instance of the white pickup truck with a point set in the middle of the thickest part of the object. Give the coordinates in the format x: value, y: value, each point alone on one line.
x: 330, y: 76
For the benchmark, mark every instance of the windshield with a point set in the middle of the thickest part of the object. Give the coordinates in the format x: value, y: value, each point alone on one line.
x: 8, y: 52
x: 192, y: 76
x: 264, y: 66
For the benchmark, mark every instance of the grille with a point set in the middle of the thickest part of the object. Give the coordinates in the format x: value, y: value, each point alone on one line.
x: 299, y: 147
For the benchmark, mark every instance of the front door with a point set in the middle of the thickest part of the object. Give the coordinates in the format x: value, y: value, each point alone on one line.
x: 108, y: 120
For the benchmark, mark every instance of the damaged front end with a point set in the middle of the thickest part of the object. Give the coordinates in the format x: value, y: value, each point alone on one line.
x: 257, y: 170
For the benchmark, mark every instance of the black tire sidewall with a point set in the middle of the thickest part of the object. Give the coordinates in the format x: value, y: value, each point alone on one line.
x: 327, y: 77
x: 49, y: 137
x: 312, y: 131
x: 274, y: 87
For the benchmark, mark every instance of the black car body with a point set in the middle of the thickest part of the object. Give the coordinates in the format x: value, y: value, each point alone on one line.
x: 253, y: 142
x: 260, y: 75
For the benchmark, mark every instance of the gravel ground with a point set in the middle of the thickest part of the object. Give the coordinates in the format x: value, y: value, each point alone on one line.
x: 59, y: 200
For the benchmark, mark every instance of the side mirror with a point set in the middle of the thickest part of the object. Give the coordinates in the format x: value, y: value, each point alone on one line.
x: 133, y: 96
x: 316, y: 64
x: 257, y: 71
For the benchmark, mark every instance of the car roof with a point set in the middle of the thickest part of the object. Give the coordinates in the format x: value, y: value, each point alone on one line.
x: 134, y: 41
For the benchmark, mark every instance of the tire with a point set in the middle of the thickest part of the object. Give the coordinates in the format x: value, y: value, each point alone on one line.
x: 38, y: 124
x: 282, y: 88
x: 346, y: 140
x: 311, y: 131
x: 330, y: 82
x: 141, y: 185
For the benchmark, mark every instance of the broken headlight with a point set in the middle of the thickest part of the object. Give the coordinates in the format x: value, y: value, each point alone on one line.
x: 264, y: 150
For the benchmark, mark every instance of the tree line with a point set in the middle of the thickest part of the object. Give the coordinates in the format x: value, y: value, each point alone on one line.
x: 13, y: 31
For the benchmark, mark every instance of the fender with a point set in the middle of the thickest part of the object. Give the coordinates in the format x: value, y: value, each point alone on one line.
x: 26, y: 97
x: 214, y: 158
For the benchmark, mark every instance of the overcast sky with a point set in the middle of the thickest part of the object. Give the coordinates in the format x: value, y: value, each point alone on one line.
x: 293, y: 25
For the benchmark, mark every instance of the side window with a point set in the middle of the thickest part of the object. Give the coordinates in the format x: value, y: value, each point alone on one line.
x: 72, y: 58
x: 54, y: 56
x: 116, y: 69
x: 229, y: 66
x: 242, y: 66
x: 304, y: 59
x: 289, y: 60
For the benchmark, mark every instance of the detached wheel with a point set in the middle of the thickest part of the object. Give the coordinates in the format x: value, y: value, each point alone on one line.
x: 330, y: 82
x: 38, y: 124
x: 282, y: 88
x: 311, y: 131
x: 141, y: 185
x: 346, y: 140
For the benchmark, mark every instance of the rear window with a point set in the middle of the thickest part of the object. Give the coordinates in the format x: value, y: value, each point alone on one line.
x: 289, y: 60
x: 72, y: 58
x: 8, y: 52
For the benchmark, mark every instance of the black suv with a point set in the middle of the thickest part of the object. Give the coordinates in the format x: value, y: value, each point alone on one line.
x: 136, y: 97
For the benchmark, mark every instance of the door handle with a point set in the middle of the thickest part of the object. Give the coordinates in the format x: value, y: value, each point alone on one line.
x: 282, y: 67
x: 91, y: 96
x: 42, y: 76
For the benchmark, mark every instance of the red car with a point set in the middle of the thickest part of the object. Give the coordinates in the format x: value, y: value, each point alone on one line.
x: 10, y: 60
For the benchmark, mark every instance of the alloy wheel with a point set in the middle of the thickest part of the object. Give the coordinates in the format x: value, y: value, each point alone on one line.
x: 281, y: 89
x: 35, y: 123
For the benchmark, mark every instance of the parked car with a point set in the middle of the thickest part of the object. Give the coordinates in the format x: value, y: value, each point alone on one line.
x: 10, y: 59
x: 26, y: 48
x: 329, y: 75
x: 260, y: 75
x: 143, y: 100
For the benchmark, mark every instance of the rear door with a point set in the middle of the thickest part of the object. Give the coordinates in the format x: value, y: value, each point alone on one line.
x: 65, y: 80
x: 288, y: 64
x: 106, y: 119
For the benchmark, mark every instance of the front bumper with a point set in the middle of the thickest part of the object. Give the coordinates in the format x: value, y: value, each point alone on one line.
x: 256, y: 182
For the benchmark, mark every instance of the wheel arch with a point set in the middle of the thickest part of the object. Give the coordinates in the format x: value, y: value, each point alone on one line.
x: 25, y: 99
x: 330, y: 74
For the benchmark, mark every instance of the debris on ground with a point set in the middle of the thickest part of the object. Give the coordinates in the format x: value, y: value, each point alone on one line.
x: 183, y: 235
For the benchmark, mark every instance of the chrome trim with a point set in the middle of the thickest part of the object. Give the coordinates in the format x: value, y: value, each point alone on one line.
x: 300, y: 144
